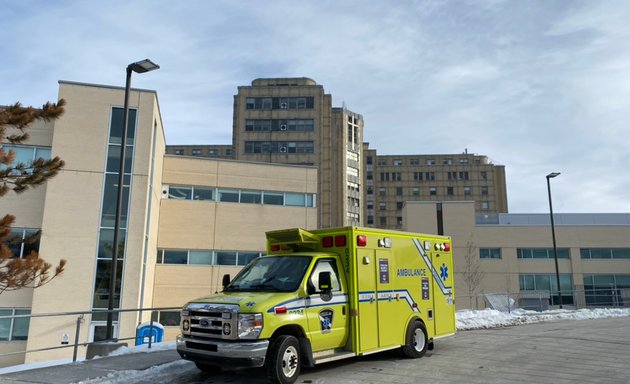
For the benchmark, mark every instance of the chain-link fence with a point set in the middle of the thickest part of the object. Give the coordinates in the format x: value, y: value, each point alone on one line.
x: 544, y: 300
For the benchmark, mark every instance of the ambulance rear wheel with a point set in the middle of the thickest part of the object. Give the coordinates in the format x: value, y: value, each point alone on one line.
x: 283, y: 360
x: 416, y: 340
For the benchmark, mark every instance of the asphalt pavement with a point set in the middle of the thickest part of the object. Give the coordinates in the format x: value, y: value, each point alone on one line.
x: 567, y: 351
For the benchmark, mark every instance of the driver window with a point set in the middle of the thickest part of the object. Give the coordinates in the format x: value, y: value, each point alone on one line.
x: 324, y: 266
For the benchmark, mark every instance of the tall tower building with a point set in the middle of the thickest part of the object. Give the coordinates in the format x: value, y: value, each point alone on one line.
x: 292, y: 121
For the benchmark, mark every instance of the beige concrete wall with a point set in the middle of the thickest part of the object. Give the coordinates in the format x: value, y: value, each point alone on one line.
x: 73, y: 207
x: 503, y: 275
x: 209, y: 225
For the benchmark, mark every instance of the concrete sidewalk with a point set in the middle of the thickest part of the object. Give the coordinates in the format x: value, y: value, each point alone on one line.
x: 90, y: 369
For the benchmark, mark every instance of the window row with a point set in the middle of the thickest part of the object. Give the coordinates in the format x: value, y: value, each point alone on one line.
x: 401, y: 162
x: 298, y: 125
x: 279, y: 147
x: 490, y: 253
x: 605, y: 253
x: 205, y: 257
x: 279, y: 102
x: 541, y: 253
x: 607, y: 290
x: 14, y: 328
x: 244, y: 196
x: 428, y: 176
x: 24, y: 156
x: 22, y: 242
x: 432, y: 191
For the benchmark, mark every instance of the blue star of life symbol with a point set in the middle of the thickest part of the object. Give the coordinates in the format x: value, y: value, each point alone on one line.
x: 444, y: 272
x: 250, y: 304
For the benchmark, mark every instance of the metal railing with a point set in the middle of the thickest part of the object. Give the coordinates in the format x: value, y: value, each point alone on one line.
x: 79, y: 320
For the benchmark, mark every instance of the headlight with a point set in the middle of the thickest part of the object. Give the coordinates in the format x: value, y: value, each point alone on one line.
x: 249, y: 325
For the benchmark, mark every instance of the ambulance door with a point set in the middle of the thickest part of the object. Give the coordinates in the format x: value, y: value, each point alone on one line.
x: 327, y: 316
x: 368, y: 312
x: 389, y: 310
x: 443, y: 306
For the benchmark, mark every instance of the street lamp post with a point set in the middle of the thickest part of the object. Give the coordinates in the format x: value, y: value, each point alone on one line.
x: 553, y: 235
x: 138, y: 67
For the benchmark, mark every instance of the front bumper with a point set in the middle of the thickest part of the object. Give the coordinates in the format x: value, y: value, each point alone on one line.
x: 223, y: 353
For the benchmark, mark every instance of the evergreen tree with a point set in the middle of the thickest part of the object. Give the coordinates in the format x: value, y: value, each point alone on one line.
x: 29, y: 271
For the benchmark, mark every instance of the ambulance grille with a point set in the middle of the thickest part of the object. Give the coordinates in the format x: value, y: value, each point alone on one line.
x: 213, y: 321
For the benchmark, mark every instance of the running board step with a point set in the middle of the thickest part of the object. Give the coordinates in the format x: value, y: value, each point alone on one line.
x: 332, y: 355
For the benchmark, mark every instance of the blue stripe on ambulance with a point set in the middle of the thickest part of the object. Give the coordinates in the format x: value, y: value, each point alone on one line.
x: 311, y: 302
x: 388, y: 295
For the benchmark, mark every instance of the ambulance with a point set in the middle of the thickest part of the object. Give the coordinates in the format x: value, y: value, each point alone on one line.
x: 324, y: 295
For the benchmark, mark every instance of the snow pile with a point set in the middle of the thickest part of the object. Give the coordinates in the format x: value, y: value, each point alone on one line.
x: 155, y: 347
x: 490, y: 318
x: 123, y: 377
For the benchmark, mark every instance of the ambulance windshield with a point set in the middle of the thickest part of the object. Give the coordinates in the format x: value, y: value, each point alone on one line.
x: 271, y: 274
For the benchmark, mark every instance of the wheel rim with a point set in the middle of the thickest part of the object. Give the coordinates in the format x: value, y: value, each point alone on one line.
x: 418, y: 340
x: 290, y: 361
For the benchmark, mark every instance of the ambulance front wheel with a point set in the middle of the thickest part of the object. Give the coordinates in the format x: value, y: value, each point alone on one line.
x: 283, y: 360
x: 416, y: 341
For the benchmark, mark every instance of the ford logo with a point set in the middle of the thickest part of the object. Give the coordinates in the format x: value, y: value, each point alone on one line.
x: 204, y: 322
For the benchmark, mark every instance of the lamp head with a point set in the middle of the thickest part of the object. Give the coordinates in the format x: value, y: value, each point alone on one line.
x: 142, y: 66
x: 552, y: 175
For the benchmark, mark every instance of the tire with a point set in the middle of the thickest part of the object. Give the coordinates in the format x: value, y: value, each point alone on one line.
x: 416, y: 340
x: 208, y: 368
x: 283, y: 360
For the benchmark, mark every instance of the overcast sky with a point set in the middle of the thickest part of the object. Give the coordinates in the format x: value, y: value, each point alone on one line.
x: 537, y: 86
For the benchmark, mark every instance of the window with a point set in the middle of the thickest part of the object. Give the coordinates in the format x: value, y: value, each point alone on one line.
x: 414, y: 162
x: 201, y: 193
x: 382, y: 191
x: 175, y: 257
x: 447, y: 161
x: 484, y: 191
x: 179, y: 193
x: 467, y: 191
x: 606, y: 290
x: 370, y: 205
x: 370, y: 219
x: 541, y: 253
x: 463, y: 175
x: 324, y: 266
x: 431, y: 162
x: 295, y: 199
x: 417, y: 176
x: 368, y: 160
x: 16, y: 328
x: 398, y: 163
x: 273, y: 198
x: 205, y: 257
x: 399, y: 205
x: 489, y: 253
x: 399, y: 191
x: 384, y: 176
x: 369, y: 175
x: 251, y: 197
x: 548, y: 282
x: 26, y: 154
x: 429, y: 175
x: 415, y: 191
x: 451, y: 176
x: 22, y: 242
x: 382, y: 221
x: 179, y: 151
x: 463, y: 161
x: 226, y: 258
x: 382, y: 162
x: 433, y: 191
x: 396, y: 176
x: 399, y: 220
x: 196, y: 152
x: 450, y: 191
x: 484, y: 175
x: 485, y: 205
x: 382, y: 206
x: 605, y: 253
x: 228, y: 195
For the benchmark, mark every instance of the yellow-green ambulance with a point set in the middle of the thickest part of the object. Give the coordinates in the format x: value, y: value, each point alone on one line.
x: 324, y: 295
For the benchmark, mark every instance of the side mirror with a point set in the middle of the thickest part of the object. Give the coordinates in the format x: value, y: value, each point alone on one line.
x: 226, y: 280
